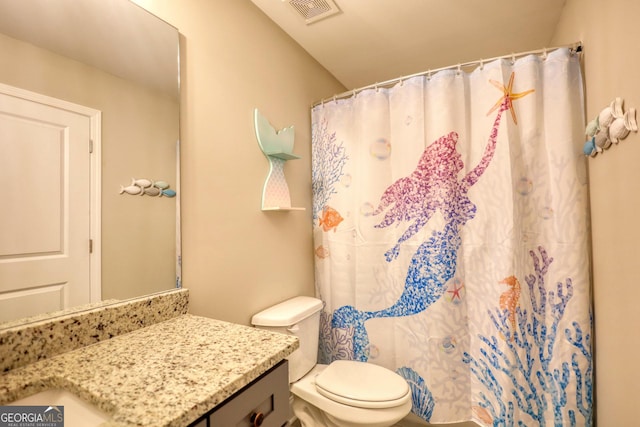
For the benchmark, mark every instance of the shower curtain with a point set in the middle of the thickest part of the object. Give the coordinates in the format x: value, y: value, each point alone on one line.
x: 451, y: 239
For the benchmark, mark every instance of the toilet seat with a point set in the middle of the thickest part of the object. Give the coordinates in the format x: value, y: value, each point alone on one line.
x: 362, y: 385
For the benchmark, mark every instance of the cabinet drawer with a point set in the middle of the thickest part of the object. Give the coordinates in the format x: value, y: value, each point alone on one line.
x: 201, y: 423
x: 267, y: 398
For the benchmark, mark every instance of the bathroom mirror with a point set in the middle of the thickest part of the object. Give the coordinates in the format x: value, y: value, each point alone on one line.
x: 115, y: 57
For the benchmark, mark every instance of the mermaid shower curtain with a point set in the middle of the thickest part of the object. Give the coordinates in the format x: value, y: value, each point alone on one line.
x: 451, y: 240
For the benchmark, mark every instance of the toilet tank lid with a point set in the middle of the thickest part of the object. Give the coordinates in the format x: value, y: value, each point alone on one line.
x: 287, y: 313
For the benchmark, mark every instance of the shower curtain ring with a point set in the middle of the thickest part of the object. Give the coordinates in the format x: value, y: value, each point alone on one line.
x: 481, y: 64
x: 459, y: 70
x: 544, y: 53
x: 513, y: 58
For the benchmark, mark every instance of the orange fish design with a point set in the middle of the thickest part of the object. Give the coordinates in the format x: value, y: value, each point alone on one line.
x: 509, y: 300
x: 330, y: 219
x: 483, y: 415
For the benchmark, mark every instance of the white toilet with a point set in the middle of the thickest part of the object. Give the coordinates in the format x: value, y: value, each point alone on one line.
x: 342, y: 394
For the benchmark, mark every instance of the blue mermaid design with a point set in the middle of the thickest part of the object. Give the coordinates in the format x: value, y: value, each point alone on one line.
x: 434, y: 186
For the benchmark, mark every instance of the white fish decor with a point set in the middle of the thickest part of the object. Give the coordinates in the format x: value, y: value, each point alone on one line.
x: 147, y: 187
x: 611, y: 126
x: 144, y: 183
x: 131, y: 189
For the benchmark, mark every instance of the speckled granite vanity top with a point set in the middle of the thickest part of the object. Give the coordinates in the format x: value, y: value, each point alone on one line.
x: 165, y: 374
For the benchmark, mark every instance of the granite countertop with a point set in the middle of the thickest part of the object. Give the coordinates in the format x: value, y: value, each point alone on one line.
x: 166, y: 374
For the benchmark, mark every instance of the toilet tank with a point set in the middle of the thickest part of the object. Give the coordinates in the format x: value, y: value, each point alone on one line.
x: 299, y: 316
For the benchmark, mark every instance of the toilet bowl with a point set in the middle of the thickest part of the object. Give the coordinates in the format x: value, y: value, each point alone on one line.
x: 345, y: 393
x: 356, y: 405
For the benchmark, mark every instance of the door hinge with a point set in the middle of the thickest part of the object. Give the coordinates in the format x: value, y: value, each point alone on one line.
x: 91, y: 146
x: 90, y: 246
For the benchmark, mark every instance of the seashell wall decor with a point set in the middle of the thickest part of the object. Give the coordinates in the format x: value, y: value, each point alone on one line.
x: 612, y: 125
x: 146, y: 187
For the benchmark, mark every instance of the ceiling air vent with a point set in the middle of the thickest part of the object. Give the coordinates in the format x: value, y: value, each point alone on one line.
x: 314, y: 10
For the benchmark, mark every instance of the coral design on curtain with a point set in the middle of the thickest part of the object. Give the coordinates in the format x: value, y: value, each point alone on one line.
x: 451, y: 240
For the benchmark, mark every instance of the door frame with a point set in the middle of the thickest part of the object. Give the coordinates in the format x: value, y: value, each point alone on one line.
x: 95, y: 185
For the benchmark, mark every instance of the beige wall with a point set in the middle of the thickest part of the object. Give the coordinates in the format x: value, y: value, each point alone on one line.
x: 610, y: 33
x: 238, y: 259
x: 139, y: 131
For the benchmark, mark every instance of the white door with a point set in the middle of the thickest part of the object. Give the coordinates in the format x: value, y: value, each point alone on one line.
x: 45, y: 204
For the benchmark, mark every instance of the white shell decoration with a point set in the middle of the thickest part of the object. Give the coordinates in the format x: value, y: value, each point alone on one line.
x: 147, y: 187
x: 611, y: 125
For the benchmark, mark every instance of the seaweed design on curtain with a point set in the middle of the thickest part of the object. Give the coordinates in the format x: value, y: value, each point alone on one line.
x: 529, y: 356
x: 329, y: 159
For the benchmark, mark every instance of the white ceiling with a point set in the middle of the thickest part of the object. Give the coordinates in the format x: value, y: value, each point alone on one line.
x: 372, y: 41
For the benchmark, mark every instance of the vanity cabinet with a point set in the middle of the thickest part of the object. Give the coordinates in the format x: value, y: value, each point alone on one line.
x: 263, y: 402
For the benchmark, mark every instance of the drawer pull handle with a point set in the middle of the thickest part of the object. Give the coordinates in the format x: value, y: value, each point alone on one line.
x: 257, y: 419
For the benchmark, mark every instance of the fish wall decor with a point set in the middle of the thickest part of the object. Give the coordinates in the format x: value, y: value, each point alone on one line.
x: 147, y: 187
x: 610, y: 126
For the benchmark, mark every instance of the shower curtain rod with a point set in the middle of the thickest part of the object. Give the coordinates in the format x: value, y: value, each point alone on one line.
x: 575, y: 48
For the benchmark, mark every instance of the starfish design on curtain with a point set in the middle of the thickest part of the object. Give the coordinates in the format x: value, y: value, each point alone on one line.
x: 508, y: 96
x: 455, y: 293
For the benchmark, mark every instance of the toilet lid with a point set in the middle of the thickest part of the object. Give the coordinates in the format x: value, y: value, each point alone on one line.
x: 363, y: 385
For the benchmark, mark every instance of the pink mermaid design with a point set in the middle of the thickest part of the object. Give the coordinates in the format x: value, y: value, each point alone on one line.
x: 434, y: 186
